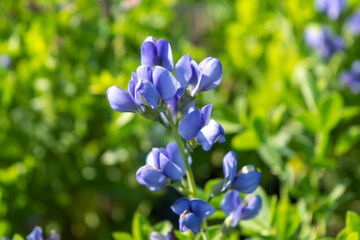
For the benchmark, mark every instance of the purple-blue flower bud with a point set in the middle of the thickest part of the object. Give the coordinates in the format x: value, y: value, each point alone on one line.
x: 191, y: 212
x: 353, y: 23
x: 157, y: 53
x: 332, y: 8
x: 237, y: 210
x: 120, y: 100
x: 209, y: 134
x: 5, y: 61
x: 36, y: 234
x: 161, y: 164
x: 351, y: 78
x: 245, y: 181
x: 323, y: 41
x: 198, y: 78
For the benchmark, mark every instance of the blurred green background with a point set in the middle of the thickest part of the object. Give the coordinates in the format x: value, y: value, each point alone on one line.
x: 68, y: 161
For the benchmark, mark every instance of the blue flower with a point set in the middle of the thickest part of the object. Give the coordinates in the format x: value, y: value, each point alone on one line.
x: 323, y: 41
x: 237, y: 210
x: 146, y: 87
x: 332, y: 8
x: 5, y: 61
x: 353, y: 23
x: 157, y: 53
x: 244, y: 181
x: 161, y: 164
x: 36, y: 234
x: 198, y: 78
x: 351, y: 78
x: 198, y: 124
x: 191, y: 212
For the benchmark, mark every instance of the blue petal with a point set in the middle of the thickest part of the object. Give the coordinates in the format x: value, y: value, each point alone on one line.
x: 149, y: 53
x: 164, y: 82
x: 151, y: 177
x: 165, y: 54
x: 36, y: 234
x: 201, y: 208
x: 247, y: 182
x: 170, y: 169
x: 194, y: 83
x: 252, y: 208
x: 221, y: 138
x: 236, y: 215
x: 211, y: 71
x: 144, y: 72
x: 230, y: 202
x: 175, y: 156
x: 145, y: 90
x: 205, y: 114
x: 229, y: 168
x: 353, y: 23
x: 180, y: 206
x: 182, y: 226
x: 208, y: 135
x: 189, y: 221
x: 120, y: 100
x: 132, y: 84
x: 183, y: 70
x: 152, y: 158
x: 190, y: 125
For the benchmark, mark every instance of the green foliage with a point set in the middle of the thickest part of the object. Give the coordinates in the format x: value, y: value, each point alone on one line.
x: 68, y: 162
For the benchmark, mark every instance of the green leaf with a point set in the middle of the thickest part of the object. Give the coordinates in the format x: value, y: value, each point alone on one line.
x: 230, y: 127
x: 330, y: 108
x: 307, y: 87
x: 163, y: 226
x: 287, y: 219
x: 188, y: 235
x: 246, y: 140
x: 353, y: 236
x: 259, y: 129
x: 347, y: 140
x: 310, y: 120
x: 122, y: 236
x: 272, y: 158
x: 353, y: 222
x: 276, y: 116
x: 17, y: 237
x: 349, y: 112
x: 141, y: 228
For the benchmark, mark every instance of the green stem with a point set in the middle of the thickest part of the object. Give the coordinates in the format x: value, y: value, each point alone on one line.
x: 184, y: 156
x: 205, y: 233
x: 189, y: 173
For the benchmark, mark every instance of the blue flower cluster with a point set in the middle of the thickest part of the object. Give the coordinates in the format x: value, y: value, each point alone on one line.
x: 191, y: 213
x: 155, y: 93
x: 161, y: 164
x: 37, y: 234
x: 353, y: 23
x: 332, y: 8
x: 351, y: 78
x: 244, y: 181
x: 322, y: 39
